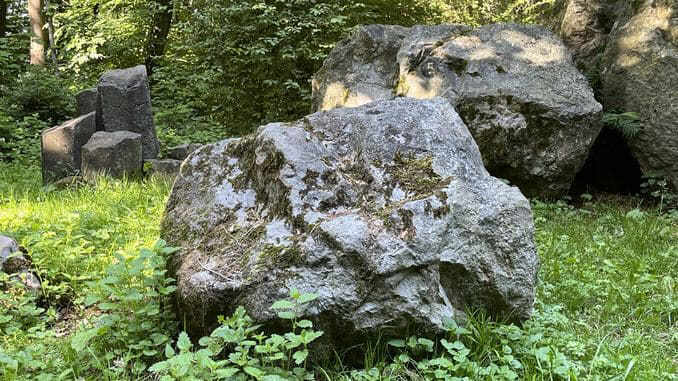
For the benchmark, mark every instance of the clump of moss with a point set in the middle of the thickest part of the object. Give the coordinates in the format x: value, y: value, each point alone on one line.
x: 402, y: 88
x: 416, y: 175
x: 278, y: 256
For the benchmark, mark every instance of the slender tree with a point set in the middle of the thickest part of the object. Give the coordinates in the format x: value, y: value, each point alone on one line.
x: 37, y: 32
x: 160, y: 28
x: 3, y: 18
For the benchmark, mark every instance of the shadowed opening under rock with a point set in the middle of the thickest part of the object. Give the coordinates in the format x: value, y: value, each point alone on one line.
x: 610, y: 167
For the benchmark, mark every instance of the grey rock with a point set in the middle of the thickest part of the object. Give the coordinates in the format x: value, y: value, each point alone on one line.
x: 585, y: 27
x: 640, y: 74
x: 124, y: 104
x: 385, y: 211
x: 363, y: 68
x: 86, y: 101
x: 531, y: 112
x: 8, y: 246
x: 28, y: 280
x: 166, y: 167
x: 14, y: 263
x: 61, y: 147
x: 181, y: 152
x: 116, y: 154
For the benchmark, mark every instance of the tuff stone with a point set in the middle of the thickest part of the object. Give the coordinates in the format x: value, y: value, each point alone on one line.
x: 86, y: 101
x: 61, y: 147
x: 124, y: 104
x: 116, y: 154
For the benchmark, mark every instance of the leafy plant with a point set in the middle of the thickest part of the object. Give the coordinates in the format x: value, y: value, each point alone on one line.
x: 660, y: 190
x: 629, y: 124
x: 247, y: 354
x: 135, y: 316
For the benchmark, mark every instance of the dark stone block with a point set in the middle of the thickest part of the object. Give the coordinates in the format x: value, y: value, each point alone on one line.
x: 61, y: 147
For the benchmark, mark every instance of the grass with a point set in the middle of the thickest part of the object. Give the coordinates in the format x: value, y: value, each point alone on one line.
x: 607, y: 302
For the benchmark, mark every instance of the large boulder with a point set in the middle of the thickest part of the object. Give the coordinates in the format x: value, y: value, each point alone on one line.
x: 385, y: 211
x: 630, y: 51
x: 531, y: 112
x: 640, y: 74
x: 61, y: 147
x: 116, y: 154
x: 124, y: 104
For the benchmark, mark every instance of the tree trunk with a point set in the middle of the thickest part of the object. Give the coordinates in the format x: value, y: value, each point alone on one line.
x: 52, y: 45
x: 37, y: 32
x: 3, y: 18
x: 160, y: 28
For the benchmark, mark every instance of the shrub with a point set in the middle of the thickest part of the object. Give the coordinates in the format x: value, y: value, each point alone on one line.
x: 20, y: 139
x: 39, y: 91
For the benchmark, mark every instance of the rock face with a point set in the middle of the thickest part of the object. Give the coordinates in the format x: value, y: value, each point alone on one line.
x: 61, y: 147
x: 116, y: 154
x: 531, y: 112
x: 124, y: 104
x: 385, y: 211
x: 640, y: 74
x: 86, y: 101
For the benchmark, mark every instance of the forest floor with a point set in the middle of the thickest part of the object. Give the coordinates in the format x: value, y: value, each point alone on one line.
x: 607, y: 303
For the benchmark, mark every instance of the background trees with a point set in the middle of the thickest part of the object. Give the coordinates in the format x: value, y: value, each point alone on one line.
x: 218, y: 67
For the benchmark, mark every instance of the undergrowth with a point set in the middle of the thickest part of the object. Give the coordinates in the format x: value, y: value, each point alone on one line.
x: 606, y: 308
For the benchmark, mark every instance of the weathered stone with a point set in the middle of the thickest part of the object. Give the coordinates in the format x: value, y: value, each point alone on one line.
x: 61, y: 147
x: 124, y: 104
x: 363, y: 68
x: 86, y: 101
x: 385, y: 211
x: 640, y: 74
x: 116, y: 154
x: 8, y: 246
x: 531, y: 112
x: 166, y: 167
x: 14, y: 263
x: 181, y: 152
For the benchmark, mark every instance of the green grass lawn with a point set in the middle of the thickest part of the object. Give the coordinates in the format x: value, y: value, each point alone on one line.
x: 607, y: 301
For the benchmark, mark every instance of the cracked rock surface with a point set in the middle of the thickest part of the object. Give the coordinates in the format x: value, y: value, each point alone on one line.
x: 385, y: 211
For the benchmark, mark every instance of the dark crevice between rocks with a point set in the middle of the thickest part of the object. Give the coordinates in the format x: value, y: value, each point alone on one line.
x: 610, y: 168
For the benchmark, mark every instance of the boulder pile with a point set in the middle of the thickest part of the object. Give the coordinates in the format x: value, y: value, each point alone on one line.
x: 532, y: 113
x: 113, y: 137
x: 385, y: 211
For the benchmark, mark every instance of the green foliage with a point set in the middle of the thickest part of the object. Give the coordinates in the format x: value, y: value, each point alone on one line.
x: 480, y: 12
x: 235, y: 351
x: 20, y: 139
x: 660, y: 189
x: 38, y: 91
x: 36, y: 100
x: 95, y: 35
x: 629, y: 124
x: 136, y: 316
